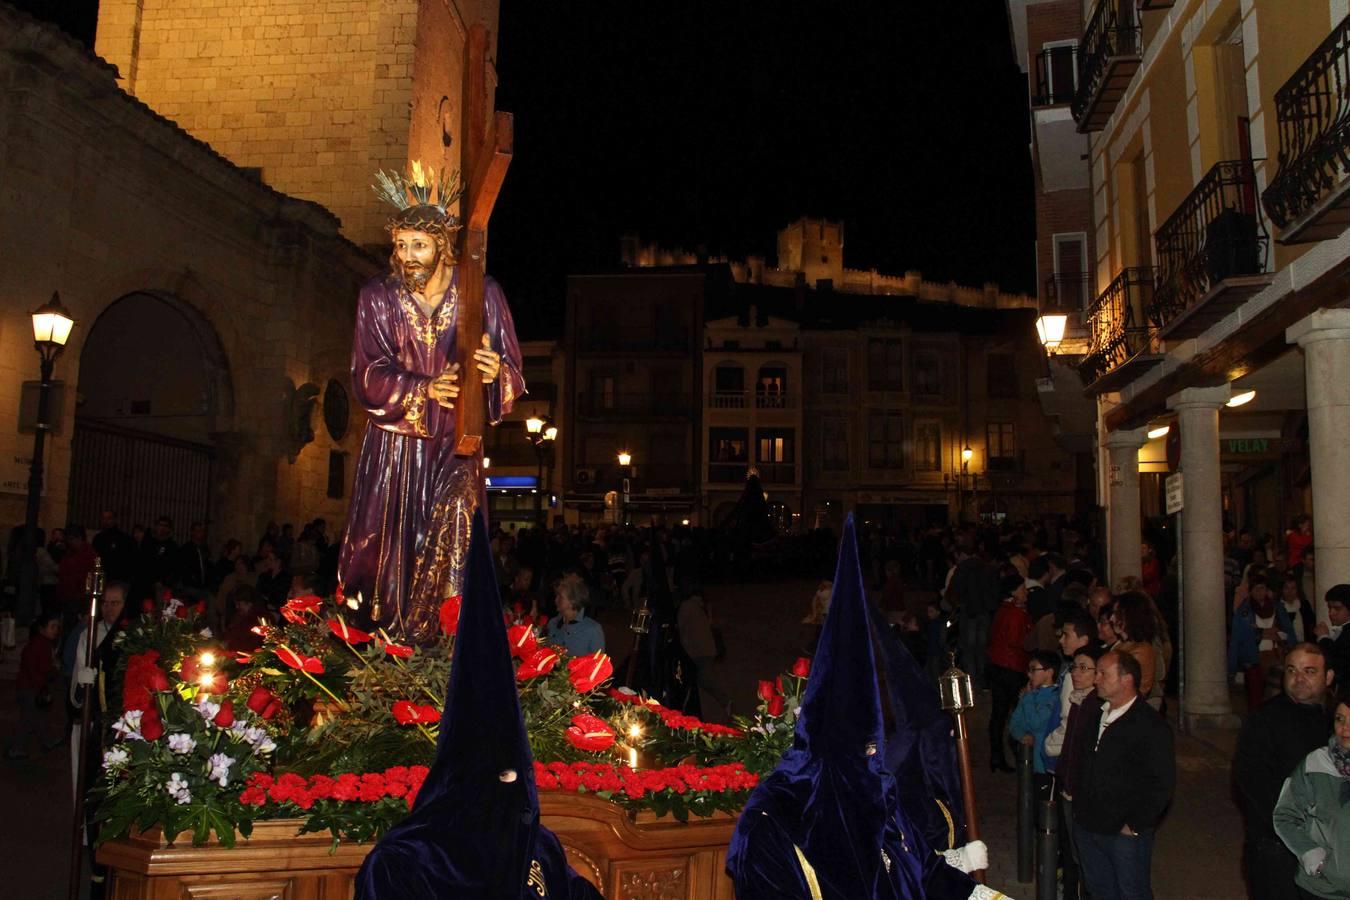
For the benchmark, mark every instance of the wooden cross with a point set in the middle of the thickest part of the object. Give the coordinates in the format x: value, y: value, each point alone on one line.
x: 485, y: 155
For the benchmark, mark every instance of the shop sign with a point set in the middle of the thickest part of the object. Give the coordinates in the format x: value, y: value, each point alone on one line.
x: 1174, y: 497
x: 1241, y: 446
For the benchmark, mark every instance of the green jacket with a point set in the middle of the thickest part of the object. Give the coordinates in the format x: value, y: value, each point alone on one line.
x: 1309, y: 818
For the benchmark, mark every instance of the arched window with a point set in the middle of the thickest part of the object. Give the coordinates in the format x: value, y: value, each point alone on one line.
x: 771, y: 386
x: 728, y: 386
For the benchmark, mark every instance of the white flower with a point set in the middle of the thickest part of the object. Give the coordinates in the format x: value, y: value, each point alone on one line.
x: 206, y: 633
x: 259, y: 739
x: 171, y: 609
x: 207, y: 708
x: 178, y: 788
x: 182, y: 743
x: 238, y: 728
x: 265, y: 746
x: 220, y: 768
x: 129, y: 725
x: 115, y: 758
x: 354, y: 602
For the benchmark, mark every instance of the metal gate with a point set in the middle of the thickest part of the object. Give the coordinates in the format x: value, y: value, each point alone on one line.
x: 139, y: 476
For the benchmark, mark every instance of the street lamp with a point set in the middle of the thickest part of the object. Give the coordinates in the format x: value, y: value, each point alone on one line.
x: 542, y: 433
x: 625, y: 463
x: 51, y: 329
x: 1050, y: 328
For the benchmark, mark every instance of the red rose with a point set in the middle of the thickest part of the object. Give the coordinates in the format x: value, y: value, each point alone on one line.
x: 590, y: 733
x: 189, y: 670
x: 345, y: 632
x: 310, y: 664
x: 200, y: 608
x: 215, y: 683
x: 776, y: 705
x: 802, y: 667
x: 766, y: 690
x: 156, y: 680
x: 225, y: 718
x: 406, y: 713
x: 147, y: 605
x: 540, y: 662
x: 522, y: 641
x: 587, y: 672
x: 398, y: 650
x: 152, y: 729
x: 182, y: 611
x: 450, y: 615
x: 541, y: 622
x: 263, y: 702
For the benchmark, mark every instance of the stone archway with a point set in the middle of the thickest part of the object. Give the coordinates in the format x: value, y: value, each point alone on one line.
x: 154, y: 399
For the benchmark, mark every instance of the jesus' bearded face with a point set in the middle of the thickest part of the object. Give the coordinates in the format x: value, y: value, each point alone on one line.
x: 417, y: 257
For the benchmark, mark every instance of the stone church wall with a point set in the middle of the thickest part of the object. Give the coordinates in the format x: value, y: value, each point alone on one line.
x: 103, y: 198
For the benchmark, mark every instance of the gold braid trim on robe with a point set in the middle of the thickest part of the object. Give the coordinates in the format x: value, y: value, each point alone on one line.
x: 440, y: 558
x: 812, y: 881
x: 415, y: 410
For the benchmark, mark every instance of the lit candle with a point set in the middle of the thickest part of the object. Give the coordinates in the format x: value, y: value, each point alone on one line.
x: 632, y: 758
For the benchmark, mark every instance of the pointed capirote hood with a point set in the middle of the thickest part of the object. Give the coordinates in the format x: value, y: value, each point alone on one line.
x: 826, y: 821
x: 474, y: 830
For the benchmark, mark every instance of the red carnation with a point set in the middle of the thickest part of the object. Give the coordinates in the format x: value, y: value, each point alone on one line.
x: 225, y: 718
x: 590, y: 733
x: 540, y: 662
x: 152, y: 729
x: 450, y: 615
x: 766, y: 690
x: 398, y: 650
x: 802, y: 667
x: 345, y: 632
x: 406, y: 713
x: 776, y: 705
x: 522, y: 641
x: 587, y: 672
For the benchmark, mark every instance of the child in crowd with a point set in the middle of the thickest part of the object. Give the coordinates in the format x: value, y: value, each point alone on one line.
x: 1033, y: 717
x: 37, y: 671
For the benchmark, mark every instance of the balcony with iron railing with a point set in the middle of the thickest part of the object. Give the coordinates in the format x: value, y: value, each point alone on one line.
x: 1122, y: 341
x: 769, y: 473
x: 603, y: 405
x: 1211, y: 252
x: 1108, y: 57
x: 1056, y: 76
x: 1309, y: 197
x: 752, y: 400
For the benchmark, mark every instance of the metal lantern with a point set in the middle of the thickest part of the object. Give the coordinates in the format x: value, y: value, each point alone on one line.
x: 955, y: 690
x: 642, y: 620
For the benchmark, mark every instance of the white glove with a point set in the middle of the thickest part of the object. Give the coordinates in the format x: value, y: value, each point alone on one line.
x: 987, y: 893
x: 1314, y: 860
x: 968, y: 858
x: 85, y: 675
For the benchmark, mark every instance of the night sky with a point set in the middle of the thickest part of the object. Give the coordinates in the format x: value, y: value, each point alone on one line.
x: 710, y: 125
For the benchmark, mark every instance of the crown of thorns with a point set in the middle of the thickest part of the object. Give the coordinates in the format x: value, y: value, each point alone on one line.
x: 422, y: 198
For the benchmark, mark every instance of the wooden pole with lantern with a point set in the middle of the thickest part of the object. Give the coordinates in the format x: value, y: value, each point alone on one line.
x: 93, y: 585
x: 957, y: 697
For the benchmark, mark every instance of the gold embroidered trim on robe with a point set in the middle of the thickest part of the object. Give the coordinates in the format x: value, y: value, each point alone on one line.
x: 536, y: 879
x: 415, y: 410
x: 429, y: 329
x: 812, y: 882
x: 951, y: 826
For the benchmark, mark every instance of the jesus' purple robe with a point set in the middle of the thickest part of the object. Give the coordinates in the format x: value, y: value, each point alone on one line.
x: 412, y: 502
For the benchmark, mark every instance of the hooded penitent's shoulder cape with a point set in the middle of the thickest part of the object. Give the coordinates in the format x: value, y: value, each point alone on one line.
x: 474, y: 831
x: 828, y: 822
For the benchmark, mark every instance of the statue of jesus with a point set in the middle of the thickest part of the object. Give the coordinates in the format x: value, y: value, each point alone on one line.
x: 413, y: 499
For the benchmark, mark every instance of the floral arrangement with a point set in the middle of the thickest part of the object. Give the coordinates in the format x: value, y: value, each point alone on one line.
x: 336, y: 725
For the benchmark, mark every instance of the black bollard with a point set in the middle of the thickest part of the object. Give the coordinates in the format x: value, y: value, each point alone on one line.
x: 1047, y: 851
x: 1026, y: 815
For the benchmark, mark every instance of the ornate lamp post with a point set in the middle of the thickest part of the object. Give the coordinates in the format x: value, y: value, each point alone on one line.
x: 52, y: 324
x: 625, y: 463
x: 957, y: 696
x: 542, y: 433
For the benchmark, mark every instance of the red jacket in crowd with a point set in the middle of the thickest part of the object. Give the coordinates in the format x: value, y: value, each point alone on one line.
x: 36, y: 663
x: 1007, y: 637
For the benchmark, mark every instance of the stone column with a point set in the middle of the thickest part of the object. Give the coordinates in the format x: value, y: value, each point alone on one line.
x: 1325, y: 339
x: 1205, y: 645
x: 1122, y: 504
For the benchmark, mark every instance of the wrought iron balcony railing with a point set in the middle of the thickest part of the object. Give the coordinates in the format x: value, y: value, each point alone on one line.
x: 1056, y: 75
x: 603, y: 405
x: 1117, y: 325
x: 1108, y: 57
x: 1215, y: 234
x: 748, y: 399
x: 1313, y: 109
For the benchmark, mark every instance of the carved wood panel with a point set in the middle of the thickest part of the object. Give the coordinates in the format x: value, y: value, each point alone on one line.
x: 238, y: 890
x: 652, y: 879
